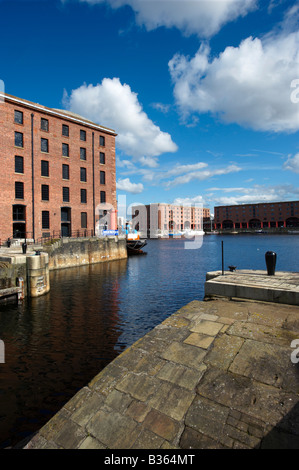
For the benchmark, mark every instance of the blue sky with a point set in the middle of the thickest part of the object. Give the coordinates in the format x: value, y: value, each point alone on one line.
x: 204, y: 95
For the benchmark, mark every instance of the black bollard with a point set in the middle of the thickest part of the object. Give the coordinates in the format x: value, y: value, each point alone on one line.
x: 24, y: 247
x: 270, y: 257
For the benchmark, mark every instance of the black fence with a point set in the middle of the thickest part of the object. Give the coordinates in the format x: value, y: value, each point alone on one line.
x: 51, y: 237
x: 46, y: 238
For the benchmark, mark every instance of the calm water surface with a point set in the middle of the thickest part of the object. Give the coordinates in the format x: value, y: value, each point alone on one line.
x: 56, y: 344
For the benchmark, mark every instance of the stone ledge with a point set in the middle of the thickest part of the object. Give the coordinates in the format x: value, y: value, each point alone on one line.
x: 240, y: 391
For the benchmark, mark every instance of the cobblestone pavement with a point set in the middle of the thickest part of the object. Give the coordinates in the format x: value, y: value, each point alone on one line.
x: 216, y: 374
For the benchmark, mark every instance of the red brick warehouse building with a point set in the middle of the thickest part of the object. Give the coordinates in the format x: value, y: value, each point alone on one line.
x: 256, y: 216
x: 57, y: 167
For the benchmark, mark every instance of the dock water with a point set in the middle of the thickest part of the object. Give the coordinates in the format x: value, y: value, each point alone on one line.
x: 219, y: 373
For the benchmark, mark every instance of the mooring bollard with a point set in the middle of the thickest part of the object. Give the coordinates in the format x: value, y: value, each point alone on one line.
x: 270, y: 257
x: 24, y: 247
x: 21, y: 283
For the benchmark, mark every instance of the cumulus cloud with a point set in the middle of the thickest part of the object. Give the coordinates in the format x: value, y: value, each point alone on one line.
x: 126, y: 185
x: 115, y: 105
x: 201, y: 17
x: 249, y: 85
x: 292, y: 164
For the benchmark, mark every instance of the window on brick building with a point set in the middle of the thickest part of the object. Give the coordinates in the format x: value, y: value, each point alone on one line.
x: 19, y: 164
x: 65, y: 130
x: 19, y: 190
x: 45, y: 219
x: 19, y: 139
x: 82, y: 153
x: 102, y: 141
x: 82, y: 135
x: 44, y: 124
x: 44, y: 145
x: 44, y: 168
x: 19, y: 117
x: 65, y: 172
x: 45, y: 192
x: 83, y: 174
x: 83, y: 219
x: 102, y: 158
x: 102, y: 177
x: 83, y: 196
x: 65, y: 150
x: 65, y: 194
x: 103, y: 196
x: 18, y: 212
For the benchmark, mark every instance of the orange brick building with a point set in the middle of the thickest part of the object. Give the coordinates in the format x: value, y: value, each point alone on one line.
x: 257, y: 216
x: 57, y: 172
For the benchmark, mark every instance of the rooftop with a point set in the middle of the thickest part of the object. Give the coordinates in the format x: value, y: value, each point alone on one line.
x: 57, y: 112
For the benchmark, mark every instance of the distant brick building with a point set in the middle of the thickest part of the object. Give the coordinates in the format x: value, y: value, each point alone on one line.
x: 169, y: 218
x: 257, y: 216
x: 56, y: 168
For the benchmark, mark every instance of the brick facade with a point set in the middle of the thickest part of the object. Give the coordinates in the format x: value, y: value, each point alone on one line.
x: 47, y: 161
x: 256, y: 216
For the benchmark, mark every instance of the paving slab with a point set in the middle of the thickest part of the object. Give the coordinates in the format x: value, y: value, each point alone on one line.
x: 283, y: 287
x: 217, y: 374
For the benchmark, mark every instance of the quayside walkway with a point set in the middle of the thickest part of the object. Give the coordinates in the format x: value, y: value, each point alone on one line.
x: 216, y: 374
x: 282, y: 288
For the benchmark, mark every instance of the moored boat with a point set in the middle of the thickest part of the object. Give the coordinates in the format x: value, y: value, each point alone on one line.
x: 135, y: 244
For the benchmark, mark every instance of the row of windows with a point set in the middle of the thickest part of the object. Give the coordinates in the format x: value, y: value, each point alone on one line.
x: 19, y: 168
x: 44, y: 146
x: 19, y: 215
x: 45, y: 193
x: 44, y: 125
x: 46, y: 220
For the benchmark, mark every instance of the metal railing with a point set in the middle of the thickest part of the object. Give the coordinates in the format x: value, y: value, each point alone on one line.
x: 18, y: 238
x: 49, y: 237
x: 58, y: 234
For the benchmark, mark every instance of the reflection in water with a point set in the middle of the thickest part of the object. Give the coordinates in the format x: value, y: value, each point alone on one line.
x: 56, y: 344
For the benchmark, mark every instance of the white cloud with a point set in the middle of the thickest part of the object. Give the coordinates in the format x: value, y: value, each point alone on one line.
x: 292, y: 164
x: 249, y: 85
x: 182, y: 169
x: 178, y: 174
x: 164, y: 108
x: 255, y: 194
x: 201, y: 175
x: 218, y: 196
x: 115, y: 105
x: 126, y: 185
x: 189, y: 200
x: 201, y: 17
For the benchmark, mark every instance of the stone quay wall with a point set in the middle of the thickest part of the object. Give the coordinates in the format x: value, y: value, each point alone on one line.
x: 11, y: 268
x: 31, y: 271
x: 67, y: 253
